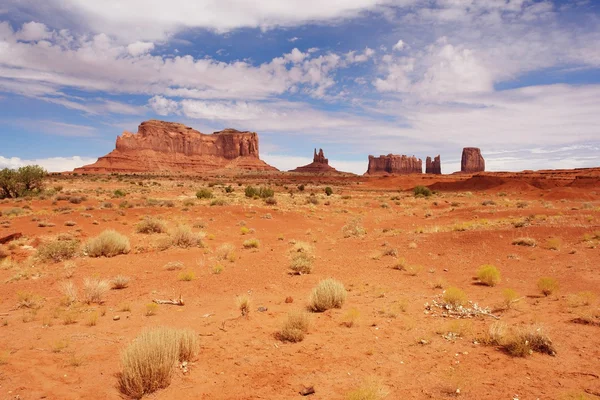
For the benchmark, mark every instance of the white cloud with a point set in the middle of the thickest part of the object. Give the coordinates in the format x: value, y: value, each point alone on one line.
x: 53, y: 164
x: 163, y: 106
x: 138, y: 48
x: 399, y: 45
x: 33, y: 31
x: 293, y: 39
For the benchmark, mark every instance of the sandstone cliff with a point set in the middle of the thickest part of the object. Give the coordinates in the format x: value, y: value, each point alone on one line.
x: 320, y: 164
x: 394, y: 164
x: 472, y: 161
x: 160, y: 146
x: 433, y: 166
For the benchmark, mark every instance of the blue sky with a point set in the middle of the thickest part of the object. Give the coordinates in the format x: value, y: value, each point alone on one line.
x: 518, y: 78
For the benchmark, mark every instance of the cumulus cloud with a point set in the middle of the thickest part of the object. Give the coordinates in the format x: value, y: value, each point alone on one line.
x: 138, y: 48
x: 163, y: 106
x: 53, y: 164
x: 399, y: 45
x: 33, y: 31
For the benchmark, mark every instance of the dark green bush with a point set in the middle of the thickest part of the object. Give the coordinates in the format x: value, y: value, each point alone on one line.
x: 422, y: 191
x: 204, y: 194
x: 328, y: 191
x: 24, y: 181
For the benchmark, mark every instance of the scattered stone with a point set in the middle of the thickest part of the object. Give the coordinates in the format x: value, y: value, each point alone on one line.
x: 289, y: 299
x: 262, y: 309
x: 307, y: 390
x: 116, y: 318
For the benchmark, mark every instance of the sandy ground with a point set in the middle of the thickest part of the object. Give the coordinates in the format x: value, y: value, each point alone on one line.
x: 415, y: 353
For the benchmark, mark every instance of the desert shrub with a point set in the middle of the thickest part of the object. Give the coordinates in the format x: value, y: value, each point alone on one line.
x: 150, y: 225
x: 328, y: 293
x: 94, y: 289
x: 58, y: 250
x: 251, y: 191
x: 24, y: 181
x: 295, y: 327
x: 187, y: 276
x: 370, y: 389
x: 262, y: 192
x: 524, y: 241
x: 204, y: 194
x: 547, y: 285
x: 226, y: 252
x: 244, y: 230
x: 488, y: 203
x: 271, y: 201
x: 108, y: 244
x: 351, y: 317
x: 312, y: 199
x: 147, y: 363
x: 523, y: 341
x: 353, y: 228
x: 29, y: 300
x: 328, y: 191
x: 119, y: 282
x: 510, y: 297
x: 301, y: 258
x: 218, y: 202
x: 553, y: 244
x: 151, y: 309
x: 422, y: 191
x: 488, y: 275
x: 243, y: 304
x: 119, y: 193
x: 228, y: 189
x: 301, y: 187
x: 251, y: 244
x: 182, y: 236
x: 13, y: 212
x: 455, y: 297
x: 70, y: 223
x: 69, y: 290
x: 75, y: 199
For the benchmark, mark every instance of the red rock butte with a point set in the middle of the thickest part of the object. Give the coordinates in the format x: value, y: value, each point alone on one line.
x: 472, y: 161
x: 394, y: 164
x: 433, y: 166
x: 319, y: 165
x: 161, y: 146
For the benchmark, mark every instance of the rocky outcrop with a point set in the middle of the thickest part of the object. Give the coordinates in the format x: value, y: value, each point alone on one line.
x: 160, y: 146
x: 394, y: 164
x: 433, y: 166
x: 472, y: 161
x: 320, y: 164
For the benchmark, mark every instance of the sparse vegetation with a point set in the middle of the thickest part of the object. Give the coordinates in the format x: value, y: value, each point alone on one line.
x: 520, y: 341
x: 301, y: 258
x: 187, y: 276
x: 455, y: 297
x: 204, y: 194
x: 151, y: 225
x: 251, y: 244
x: 524, y: 241
x: 353, y: 228
x: 94, y: 290
x: 488, y: 275
x: 243, y: 303
x: 58, y: 250
x: 119, y: 282
x: 183, y: 236
x: 108, y: 244
x: 329, y: 293
x: 547, y: 285
x: 295, y: 327
x: 422, y: 191
x: 370, y: 389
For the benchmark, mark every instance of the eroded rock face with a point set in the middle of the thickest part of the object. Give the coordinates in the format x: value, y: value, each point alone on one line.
x: 433, y: 166
x: 160, y: 146
x: 320, y: 164
x: 472, y: 161
x: 395, y: 164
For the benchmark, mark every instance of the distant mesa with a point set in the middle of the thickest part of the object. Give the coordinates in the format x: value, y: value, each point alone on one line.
x: 472, y: 161
x: 433, y: 166
x: 161, y: 146
x: 394, y: 164
x: 319, y: 165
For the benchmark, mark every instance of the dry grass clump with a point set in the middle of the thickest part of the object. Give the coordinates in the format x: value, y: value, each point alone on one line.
x: 182, y: 236
x: 520, y: 341
x: 524, y: 241
x: 226, y: 252
x: 187, y: 276
x: 243, y: 304
x: 351, y: 318
x: 58, y: 250
x: 29, y: 300
x: 553, y: 244
x: 147, y: 363
x: 547, y: 285
x: 328, y: 293
x: 151, y: 225
x: 173, y: 265
x: 370, y: 389
x: 69, y: 290
x: 455, y: 297
x: 295, y: 327
x: 353, y: 228
x: 301, y: 258
x: 581, y: 299
x: 109, y: 243
x: 251, y: 244
x: 94, y: 289
x: 119, y: 282
x: 488, y: 275
x: 151, y: 309
x: 510, y: 297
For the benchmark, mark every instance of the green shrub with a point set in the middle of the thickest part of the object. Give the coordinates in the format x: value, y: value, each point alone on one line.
x: 204, y: 194
x: 108, y: 244
x: 488, y: 275
x: 24, y: 181
x: 422, y: 191
x: 262, y: 192
x: 328, y: 293
x: 119, y: 193
x: 328, y: 191
x: 301, y: 187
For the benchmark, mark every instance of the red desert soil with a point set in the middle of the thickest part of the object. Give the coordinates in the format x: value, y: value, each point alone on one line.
x: 415, y: 353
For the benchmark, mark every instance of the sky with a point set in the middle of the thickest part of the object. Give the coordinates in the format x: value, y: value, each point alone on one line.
x: 519, y: 79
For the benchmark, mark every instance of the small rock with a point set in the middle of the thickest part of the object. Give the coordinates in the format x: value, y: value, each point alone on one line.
x: 116, y: 318
x: 289, y: 299
x: 262, y: 309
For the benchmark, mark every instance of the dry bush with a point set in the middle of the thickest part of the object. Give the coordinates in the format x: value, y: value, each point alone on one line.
x: 353, y: 228
x: 295, y: 327
x: 151, y: 225
x: 251, y: 244
x: 151, y: 309
x: 29, y: 300
x: 370, y: 389
x: 58, y: 250
x: 510, y: 297
x: 147, y: 363
x: 173, y: 265
x: 94, y: 289
x: 108, y: 244
x: 581, y: 299
x: 70, y: 292
x: 351, y: 318
x: 301, y: 258
x: 524, y: 241
x: 243, y: 304
x: 187, y: 276
x: 488, y: 275
x: 526, y: 340
x: 92, y: 319
x: 455, y: 297
x: 553, y: 244
x: 182, y: 236
x: 328, y: 293
x: 119, y: 282
x: 547, y: 285
x: 226, y: 252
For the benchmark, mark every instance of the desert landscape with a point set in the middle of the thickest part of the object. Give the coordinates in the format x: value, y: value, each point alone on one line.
x: 183, y: 266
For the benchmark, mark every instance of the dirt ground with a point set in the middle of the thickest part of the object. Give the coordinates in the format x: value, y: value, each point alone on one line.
x: 387, y: 330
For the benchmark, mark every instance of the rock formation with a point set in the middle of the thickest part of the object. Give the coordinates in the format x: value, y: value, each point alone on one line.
x: 160, y: 146
x: 472, y: 161
x: 319, y: 165
x: 433, y: 167
x: 395, y: 164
